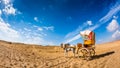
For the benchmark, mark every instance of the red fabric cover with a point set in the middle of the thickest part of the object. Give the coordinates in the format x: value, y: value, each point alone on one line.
x: 90, y: 36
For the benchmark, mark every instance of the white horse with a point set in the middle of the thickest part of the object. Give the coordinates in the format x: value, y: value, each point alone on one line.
x: 68, y: 48
x: 73, y: 48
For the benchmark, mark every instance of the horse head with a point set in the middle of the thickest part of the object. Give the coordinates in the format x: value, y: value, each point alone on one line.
x: 64, y: 45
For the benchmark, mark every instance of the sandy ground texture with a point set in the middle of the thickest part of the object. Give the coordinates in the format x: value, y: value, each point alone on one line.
x: 18, y: 55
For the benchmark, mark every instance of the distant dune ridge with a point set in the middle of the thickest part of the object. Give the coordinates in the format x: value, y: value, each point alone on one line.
x: 18, y: 55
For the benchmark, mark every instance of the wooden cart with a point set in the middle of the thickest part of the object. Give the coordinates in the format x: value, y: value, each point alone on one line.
x: 88, y: 47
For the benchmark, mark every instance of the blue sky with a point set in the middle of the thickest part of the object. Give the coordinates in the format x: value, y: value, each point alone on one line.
x: 51, y: 22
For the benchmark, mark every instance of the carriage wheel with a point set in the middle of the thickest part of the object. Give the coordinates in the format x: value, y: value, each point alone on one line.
x: 84, y: 52
x: 92, y: 52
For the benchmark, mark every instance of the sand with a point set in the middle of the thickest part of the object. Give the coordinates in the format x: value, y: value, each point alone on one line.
x: 18, y: 55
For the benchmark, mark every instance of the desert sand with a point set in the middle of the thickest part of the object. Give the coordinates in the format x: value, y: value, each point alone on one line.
x: 18, y: 55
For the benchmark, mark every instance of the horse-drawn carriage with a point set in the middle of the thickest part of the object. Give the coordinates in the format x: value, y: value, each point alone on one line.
x: 85, y: 50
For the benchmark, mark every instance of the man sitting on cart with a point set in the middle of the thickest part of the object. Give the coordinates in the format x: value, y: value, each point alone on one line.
x: 88, y: 37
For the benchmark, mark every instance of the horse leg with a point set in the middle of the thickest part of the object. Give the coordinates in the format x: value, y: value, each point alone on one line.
x: 74, y: 51
x: 66, y: 52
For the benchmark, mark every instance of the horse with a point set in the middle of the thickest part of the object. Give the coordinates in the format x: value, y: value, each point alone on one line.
x: 67, y: 48
x: 73, y: 48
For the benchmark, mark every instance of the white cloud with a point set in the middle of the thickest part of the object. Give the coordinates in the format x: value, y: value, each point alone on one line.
x: 113, y: 25
x: 107, y: 17
x: 104, y: 19
x: 34, y: 40
x: 0, y: 12
x: 44, y: 34
x: 73, y: 39
x: 26, y: 29
x: 113, y: 11
x: 89, y: 23
x: 36, y: 19
x: 35, y: 26
x: 49, y: 28
x: 40, y: 29
x: 23, y: 35
x: 74, y: 35
x: 6, y: 1
x: 9, y: 9
x: 32, y: 37
x: 44, y: 28
x: 116, y: 35
x: 6, y: 32
x: 75, y: 32
x: 115, y: 17
x: 99, y: 40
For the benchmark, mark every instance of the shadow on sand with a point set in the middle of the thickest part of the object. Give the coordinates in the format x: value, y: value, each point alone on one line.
x: 103, y: 55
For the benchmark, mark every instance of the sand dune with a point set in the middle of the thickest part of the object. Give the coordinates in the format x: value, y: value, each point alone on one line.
x: 18, y: 55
